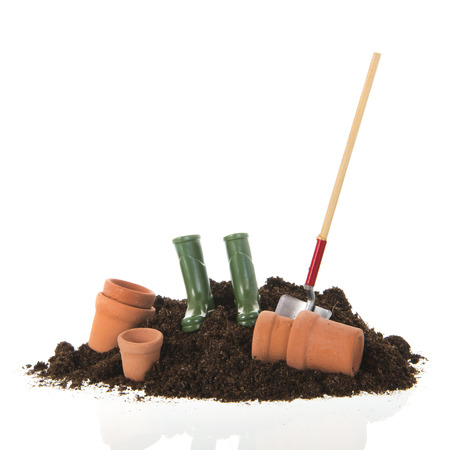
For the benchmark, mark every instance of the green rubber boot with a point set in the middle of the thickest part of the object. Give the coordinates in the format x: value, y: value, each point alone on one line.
x: 200, y: 302
x: 243, y: 278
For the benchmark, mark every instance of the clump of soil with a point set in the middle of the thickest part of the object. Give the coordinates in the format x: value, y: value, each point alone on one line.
x: 216, y: 361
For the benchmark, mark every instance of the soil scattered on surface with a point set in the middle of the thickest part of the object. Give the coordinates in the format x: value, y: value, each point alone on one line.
x: 215, y: 362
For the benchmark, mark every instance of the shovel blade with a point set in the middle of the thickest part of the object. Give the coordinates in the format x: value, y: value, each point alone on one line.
x: 289, y: 306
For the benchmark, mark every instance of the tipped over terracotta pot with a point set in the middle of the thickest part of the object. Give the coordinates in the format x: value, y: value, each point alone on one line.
x: 139, y: 348
x: 129, y: 293
x: 112, y: 318
x: 308, y: 342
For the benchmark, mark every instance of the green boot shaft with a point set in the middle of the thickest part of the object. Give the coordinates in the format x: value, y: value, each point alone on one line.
x: 243, y: 278
x: 200, y: 301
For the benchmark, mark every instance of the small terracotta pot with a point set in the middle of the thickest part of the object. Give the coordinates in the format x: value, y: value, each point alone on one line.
x: 140, y: 348
x: 308, y: 342
x: 129, y: 293
x: 112, y: 318
x: 271, y: 336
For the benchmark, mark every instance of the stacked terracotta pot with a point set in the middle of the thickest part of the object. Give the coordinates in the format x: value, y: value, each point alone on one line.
x: 122, y: 305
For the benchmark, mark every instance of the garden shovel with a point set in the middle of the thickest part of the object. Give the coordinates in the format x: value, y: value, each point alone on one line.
x: 290, y: 306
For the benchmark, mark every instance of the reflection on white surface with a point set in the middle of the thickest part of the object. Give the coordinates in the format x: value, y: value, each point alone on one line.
x: 309, y: 424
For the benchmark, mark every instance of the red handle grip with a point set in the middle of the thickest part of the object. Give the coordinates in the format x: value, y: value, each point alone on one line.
x: 315, y: 263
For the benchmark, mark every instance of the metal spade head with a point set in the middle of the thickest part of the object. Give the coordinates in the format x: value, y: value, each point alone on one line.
x: 289, y: 306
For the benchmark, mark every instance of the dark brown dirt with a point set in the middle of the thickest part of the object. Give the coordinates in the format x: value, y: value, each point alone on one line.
x: 216, y: 361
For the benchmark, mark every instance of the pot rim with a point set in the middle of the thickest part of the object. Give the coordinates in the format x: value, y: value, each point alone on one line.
x: 139, y: 341
x: 130, y: 286
x: 121, y: 311
x: 129, y: 293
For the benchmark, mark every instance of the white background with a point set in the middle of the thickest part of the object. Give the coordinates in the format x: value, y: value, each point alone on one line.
x: 126, y: 124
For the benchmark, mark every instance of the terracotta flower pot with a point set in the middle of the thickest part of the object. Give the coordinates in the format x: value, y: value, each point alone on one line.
x: 140, y: 348
x: 129, y: 293
x: 308, y: 342
x: 112, y: 318
x: 271, y: 336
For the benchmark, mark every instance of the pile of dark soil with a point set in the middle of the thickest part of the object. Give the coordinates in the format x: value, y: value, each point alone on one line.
x: 216, y: 361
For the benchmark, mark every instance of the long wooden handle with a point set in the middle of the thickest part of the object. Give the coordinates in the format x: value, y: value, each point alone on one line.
x: 349, y: 147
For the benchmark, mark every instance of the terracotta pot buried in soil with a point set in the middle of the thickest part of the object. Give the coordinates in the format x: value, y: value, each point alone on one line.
x: 308, y: 342
x: 112, y: 318
x: 139, y: 348
x: 129, y: 293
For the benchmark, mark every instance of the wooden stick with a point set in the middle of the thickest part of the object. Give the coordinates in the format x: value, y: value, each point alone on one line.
x: 349, y: 147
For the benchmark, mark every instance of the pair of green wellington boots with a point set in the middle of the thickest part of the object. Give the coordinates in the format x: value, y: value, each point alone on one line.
x: 200, y: 302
